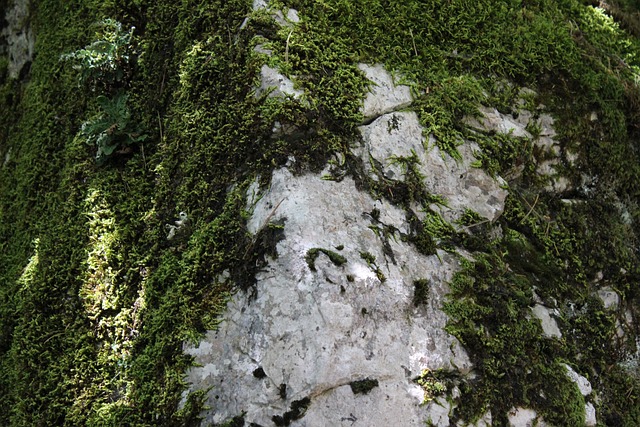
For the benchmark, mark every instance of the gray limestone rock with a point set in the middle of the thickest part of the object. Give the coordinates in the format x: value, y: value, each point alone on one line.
x: 609, y: 297
x: 318, y: 327
x: 384, y: 95
x: 522, y: 417
x: 278, y: 85
x: 549, y: 325
x: 463, y: 186
x: 18, y: 36
x: 583, y: 384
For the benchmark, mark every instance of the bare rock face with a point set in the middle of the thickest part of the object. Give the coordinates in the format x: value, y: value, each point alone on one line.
x: 17, y: 36
x: 332, y: 325
x: 384, y: 95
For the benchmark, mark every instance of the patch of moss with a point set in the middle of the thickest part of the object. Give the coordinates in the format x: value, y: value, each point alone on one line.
x: 297, y: 411
x: 313, y: 253
x: 420, y: 291
x: 363, y: 386
x: 370, y: 259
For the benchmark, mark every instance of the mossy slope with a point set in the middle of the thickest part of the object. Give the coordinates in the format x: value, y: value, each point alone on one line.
x: 95, y: 302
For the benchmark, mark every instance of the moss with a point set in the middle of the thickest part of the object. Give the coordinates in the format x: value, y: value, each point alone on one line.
x: 370, y: 259
x: 434, y: 383
x: 93, y: 317
x: 297, y: 411
x: 363, y: 386
x: 420, y: 291
x: 313, y: 253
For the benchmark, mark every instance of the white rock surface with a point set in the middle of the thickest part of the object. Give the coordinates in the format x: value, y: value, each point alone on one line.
x: 318, y: 331
x: 384, y: 95
x: 590, y: 415
x: 400, y: 134
x: 439, y: 411
x: 609, y: 297
x: 522, y: 417
x: 19, y: 36
x: 492, y: 120
x: 583, y: 384
x: 549, y: 325
x: 278, y: 85
x: 291, y: 17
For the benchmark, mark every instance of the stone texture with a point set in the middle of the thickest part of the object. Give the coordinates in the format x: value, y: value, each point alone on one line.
x: 522, y: 417
x: 590, y: 415
x: 609, y: 297
x: 549, y: 325
x: 318, y: 331
x: 17, y: 36
x: 278, y: 85
x: 493, y: 121
x: 583, y: 384
x: 400, y: 134
x: 384, y: 95
x: 284, y: 21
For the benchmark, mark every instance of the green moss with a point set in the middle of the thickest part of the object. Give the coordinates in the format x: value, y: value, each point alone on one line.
x: 313, y: 253
x: 363, y: 386
x: 370, y: 259
x: 421, y: 291
x: 93, y: 317
x: 434, y: 383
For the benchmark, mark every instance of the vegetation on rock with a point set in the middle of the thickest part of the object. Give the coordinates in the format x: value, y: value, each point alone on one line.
x: 96, y: 303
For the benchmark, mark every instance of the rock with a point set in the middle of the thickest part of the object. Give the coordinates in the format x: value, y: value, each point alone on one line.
x: 590, y: 415
x: 384, y: 95
x: 439, y: 411
x: 522, y: 417
x: 320, y: 331
x: 549, y: 325
x: 278, y: 86
x: 291, y: 18
x: 609, y: 297
x: 20, y: 39
x: 463, y: 186
x: 583, y: 384
x: 492, y: 120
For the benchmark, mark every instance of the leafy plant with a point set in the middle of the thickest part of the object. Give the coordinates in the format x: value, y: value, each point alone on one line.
x: 113, y: 128
x: 104, y: 60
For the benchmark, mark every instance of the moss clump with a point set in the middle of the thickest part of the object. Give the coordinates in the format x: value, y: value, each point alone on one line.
x: 420, y: 291
x: 363, y: 386
x: 434, y: 383
x: 297, y: 411
x: 313, y: 253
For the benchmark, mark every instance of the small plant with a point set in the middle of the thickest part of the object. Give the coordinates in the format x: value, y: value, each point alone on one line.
x: 433, y: 383
x: 104, y: 64
x: 105, y: 60
x: 112, y: 129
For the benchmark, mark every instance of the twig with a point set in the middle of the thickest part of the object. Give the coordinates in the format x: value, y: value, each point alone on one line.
x: 264, y: 224
x: 530, y: 210
x: 286, y: 49
x: 414, y: 42
x: 466, y: 227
